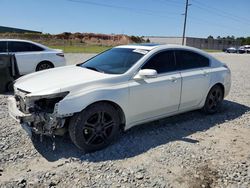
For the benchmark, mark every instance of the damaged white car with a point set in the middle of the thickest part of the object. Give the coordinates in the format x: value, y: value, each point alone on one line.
x: 115, y: 90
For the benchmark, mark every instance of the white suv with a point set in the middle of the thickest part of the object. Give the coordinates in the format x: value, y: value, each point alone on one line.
x: 31, y: 56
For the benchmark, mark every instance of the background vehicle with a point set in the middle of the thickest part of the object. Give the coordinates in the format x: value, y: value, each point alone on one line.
x: 31, y: 56
x: 231, y: 50
x: 8, y: 72
x: 118, y: 89
x: 244, y: 49
x: 241, y: 50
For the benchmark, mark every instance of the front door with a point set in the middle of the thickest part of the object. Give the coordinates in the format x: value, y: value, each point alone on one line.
x: 153, y: 97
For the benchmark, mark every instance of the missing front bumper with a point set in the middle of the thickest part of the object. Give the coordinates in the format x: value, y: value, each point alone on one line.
x: 39, y: 123
x: 27, y: 129
x: 15, y: 113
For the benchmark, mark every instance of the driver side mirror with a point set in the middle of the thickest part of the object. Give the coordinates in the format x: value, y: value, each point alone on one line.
x: 146, y: 73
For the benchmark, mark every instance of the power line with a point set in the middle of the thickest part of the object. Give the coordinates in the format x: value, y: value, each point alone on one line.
x: 213, y: 11
x: 159, y: 13
x: 219, y: 12
x: 202, y: 21
x: 135, y: 10
x: 108, y: 5
x: 223, y: 11
x: 180, y: 4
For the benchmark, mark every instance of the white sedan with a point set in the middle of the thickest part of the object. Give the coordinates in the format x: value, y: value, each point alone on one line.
x: 231, y: 50
x: 118, y: 89
x: 32, y: 56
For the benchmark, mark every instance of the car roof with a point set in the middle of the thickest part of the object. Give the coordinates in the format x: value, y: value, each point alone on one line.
x: 149, y: 46
x: 21, y: 40
x: 157, y: 46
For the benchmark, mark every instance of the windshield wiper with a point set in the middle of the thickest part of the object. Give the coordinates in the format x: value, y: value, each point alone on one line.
x: 94, y: 69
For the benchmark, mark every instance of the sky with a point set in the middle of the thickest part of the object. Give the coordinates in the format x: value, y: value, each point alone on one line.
x: 131, y: 17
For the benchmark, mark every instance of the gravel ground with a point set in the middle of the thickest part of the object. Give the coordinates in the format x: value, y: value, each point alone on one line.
x: 188, y: 150
x: 74, y: 58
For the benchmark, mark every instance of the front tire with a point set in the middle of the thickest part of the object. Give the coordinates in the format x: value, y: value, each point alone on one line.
x: 95, y: 127
x: 214, y: 100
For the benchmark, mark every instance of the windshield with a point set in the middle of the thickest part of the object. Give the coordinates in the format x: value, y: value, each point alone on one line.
x: 114, y: 61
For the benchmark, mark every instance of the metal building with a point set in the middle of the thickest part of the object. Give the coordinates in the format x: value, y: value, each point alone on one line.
x: 4, y: 29
x: 202, y: 43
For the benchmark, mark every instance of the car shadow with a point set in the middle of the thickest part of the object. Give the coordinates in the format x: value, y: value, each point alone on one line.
x: 142, y: 138
x: 7, y: 93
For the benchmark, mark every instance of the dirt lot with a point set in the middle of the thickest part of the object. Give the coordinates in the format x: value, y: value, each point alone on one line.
x: 188, y: 150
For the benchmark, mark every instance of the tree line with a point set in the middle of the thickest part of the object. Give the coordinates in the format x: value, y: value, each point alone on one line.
x: 243, y: 40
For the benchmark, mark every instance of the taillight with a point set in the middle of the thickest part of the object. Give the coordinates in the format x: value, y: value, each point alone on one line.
x: 224, y: 65
x: 60, y: 54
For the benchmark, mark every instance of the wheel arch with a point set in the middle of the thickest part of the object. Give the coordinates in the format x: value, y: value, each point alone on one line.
x: 117, y: 107
x: 208, y: 90
x: 45, y: 61
x: 204, y: 104
x: 221, y: 86
x: 214, y: 84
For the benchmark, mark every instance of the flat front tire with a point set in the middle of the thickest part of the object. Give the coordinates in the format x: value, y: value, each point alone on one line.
x: 95, y: 127
x: 213, y: 100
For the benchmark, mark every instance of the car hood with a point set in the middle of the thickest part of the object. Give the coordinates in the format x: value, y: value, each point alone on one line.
x: 58, y: 79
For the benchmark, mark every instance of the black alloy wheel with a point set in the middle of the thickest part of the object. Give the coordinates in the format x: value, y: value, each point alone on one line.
x: 95, y: 127
x: 214, y: 100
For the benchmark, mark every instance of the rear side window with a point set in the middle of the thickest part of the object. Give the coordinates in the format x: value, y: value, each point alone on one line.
x: 23, y: 47
x: 162, y: 62
x: 189, y: 60
x: 3, y: 46
x: 35, y: 48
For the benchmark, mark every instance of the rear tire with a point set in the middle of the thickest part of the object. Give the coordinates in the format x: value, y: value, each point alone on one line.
x: 44, y: 65
x: 214, y: 100
x: 95, y: 127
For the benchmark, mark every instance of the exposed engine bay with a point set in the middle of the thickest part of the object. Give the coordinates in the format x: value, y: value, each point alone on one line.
x: 40, y: 113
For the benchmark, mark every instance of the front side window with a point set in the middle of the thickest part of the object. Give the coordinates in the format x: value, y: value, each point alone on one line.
x: 189, y: 60
x: 3, y: 46
x: 114, y: 61
x: 18, y: 47
x: 162, y: 62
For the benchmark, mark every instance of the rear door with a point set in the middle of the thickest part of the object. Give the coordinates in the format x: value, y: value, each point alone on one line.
x: 27, y: 55
x: 194, y: 69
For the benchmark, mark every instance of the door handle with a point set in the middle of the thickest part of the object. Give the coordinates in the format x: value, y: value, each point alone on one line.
x: 173, y: 79
x: 205, y: 73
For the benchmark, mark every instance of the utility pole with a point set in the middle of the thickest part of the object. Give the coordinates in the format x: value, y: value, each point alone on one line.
x: 185, y: 21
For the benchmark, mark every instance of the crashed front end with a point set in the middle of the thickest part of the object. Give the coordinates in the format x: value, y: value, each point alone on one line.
x: 38, y: 114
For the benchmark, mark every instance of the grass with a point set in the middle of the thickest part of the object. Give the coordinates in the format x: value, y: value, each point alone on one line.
x: 82, y: 49
x: 211, y: 51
